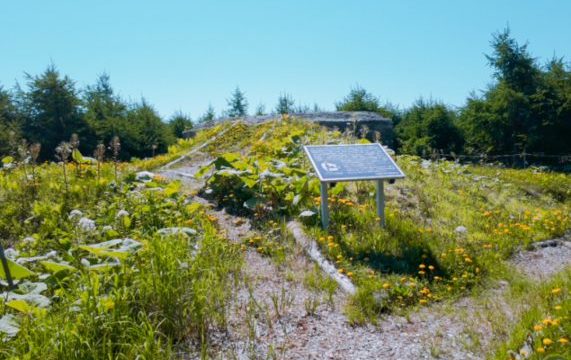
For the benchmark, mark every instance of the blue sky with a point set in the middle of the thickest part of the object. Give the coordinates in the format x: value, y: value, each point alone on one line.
x: 183, y: 55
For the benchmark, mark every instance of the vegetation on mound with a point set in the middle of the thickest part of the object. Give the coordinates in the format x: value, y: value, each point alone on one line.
x: 109, y: 264
x: 449, y: 227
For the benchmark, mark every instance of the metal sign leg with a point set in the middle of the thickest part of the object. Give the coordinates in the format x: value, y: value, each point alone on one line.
x: 324, y: 206
x: 381, y: 202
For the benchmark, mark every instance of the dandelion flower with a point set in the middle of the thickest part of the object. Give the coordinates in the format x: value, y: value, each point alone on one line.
x: 556, y: 291
x: 540, y: 349
x: 431, y: 267
x: 386, y: 286
x: 547, y: 341
x: 557, y: 307
x: 421, y: 266
x: 563, y: 341
x: 423, y: 301
x: 538, y: 328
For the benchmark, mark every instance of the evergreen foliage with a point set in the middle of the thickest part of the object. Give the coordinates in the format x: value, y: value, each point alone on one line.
x: 285, y: 104
x: 237, y: 104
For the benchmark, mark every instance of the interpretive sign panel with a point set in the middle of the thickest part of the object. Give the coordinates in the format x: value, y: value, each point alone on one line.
x: 335, y: 163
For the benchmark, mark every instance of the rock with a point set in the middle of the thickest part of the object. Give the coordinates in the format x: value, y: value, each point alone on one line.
x: 75, y: 214
x: 144, y: 176
x: 11, y: 254
x: 121, y: 213
x: 461, y: 230
x: 307, y: 213
x: 176, y: 231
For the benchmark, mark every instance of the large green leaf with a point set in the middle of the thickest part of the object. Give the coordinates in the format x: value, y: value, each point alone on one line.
x: 54, y: 267
x: 105, y: 253
x: 7, y: 160
x: 117, y: 248
x: 24, y: 307
x: 252, y: 203
x: 16, y: 270
x: 9, y: 325
x: 76, y: 156
x: 172, y: 188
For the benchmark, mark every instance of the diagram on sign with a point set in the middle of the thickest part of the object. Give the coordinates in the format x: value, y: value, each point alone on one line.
x: 328, y: 166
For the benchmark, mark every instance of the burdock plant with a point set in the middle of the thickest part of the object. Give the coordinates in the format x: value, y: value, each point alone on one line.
x: 75, y: 155
x: 100, y: 157
x: 115, y: 147
x: 63, y: 151
x: 24, y: 156
x: 34, y: 151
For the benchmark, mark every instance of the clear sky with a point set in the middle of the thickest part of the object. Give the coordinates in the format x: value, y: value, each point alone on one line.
x: 183, y: 55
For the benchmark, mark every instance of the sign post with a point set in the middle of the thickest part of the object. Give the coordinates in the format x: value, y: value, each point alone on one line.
x: 381, y: 202
x: 358, y: 162
x: 324, y: 206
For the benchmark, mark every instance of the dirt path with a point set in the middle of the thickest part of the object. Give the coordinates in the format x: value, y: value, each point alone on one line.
x: 274, y: 315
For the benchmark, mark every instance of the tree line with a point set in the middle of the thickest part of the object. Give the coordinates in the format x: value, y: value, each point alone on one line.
x: 526, y: 108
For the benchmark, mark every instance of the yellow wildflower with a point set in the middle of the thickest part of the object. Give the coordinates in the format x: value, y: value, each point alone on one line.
x: 547, y: 341
x: 556, y: 291
x: 540, y: 349
x: 386, y: 286
x: 563, y: 341
x: 538, y: 328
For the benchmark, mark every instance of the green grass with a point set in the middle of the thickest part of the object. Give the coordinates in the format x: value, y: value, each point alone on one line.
x: 174, y: 289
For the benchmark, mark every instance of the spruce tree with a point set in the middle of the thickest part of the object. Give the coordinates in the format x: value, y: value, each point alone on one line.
x: 237, y: 104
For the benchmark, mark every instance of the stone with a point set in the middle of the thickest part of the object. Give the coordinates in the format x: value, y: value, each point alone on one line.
x: 461, y: 230
x: 144, y: 176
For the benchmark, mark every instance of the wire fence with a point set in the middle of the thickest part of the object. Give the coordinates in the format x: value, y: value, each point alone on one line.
x: 521, y: 160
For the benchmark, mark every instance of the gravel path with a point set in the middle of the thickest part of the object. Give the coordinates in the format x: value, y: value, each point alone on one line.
x: 546, y: 259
